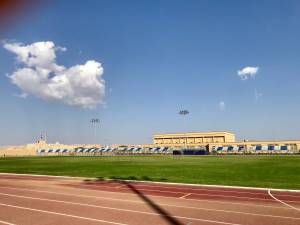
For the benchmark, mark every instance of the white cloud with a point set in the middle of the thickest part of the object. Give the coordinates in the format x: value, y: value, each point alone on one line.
x: 222, y: 106
x: 79, y: 85
x: 247, y: 72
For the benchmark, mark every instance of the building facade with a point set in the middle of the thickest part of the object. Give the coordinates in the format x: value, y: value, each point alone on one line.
x: 193, y: 139
x: 224, y: 143
x: 201, y: 142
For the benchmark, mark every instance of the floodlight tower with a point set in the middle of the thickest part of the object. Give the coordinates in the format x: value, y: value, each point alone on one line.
x: 94, y: 122
x: 43, y: 137
x: 184, y: 113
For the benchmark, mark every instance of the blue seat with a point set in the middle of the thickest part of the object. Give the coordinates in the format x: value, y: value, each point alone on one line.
x: 79, y: 149
x: 271, y: 147
x: 241, y: 148
x: 258, y: 147
x: 283, y: 147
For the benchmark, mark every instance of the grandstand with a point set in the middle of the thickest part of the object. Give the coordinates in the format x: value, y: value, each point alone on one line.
x: 104, y: 151
x: 201, y: 143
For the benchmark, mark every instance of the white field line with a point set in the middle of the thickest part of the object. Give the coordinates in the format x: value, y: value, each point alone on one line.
x: 155, y: 196
x: 157, y: 182
x: 143, y: 212
x: 269, y: 192
x: 109, y: 208
x: 183, y: 193
x: 61, y: 214
x: 7, y: 223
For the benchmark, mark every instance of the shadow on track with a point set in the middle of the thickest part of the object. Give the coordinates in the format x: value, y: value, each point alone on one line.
x: 163, y: 213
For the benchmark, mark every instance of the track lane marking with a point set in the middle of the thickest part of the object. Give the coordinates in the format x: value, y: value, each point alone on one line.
x: 188, y: 200
x: 282, y: 202
x: 206, y: 189
x: 183, y: 196
x: 185, y: 190
x: 162, y: 184
x: 58, y: 177
x: 61, y: 214
x: 7, y: 223
x: 175, y: 192
x: 113, y: 208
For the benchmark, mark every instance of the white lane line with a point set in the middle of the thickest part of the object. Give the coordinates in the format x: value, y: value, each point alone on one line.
x: 269, y: 192
x: 186, y: 189
x: 189, y: 207
x: 154, y: 196
x: 61, y: 214
x: 154, y: 182
x: 284, y: 195
x: 185, y: 186
x: 112, y: 208
x: 175, y: 192
x: 185, y: 195
x: 7, y: 223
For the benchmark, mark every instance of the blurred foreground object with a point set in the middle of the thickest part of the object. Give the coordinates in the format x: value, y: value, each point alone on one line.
x: 11, y: 11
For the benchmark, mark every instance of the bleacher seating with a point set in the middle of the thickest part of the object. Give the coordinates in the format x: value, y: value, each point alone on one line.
x: 229, y: 149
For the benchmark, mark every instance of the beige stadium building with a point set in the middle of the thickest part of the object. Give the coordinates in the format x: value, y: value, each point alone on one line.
x: 224, y: 142
x: 201, y: 142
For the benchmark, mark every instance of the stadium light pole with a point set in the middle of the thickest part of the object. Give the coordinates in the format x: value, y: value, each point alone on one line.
x: 94, y: 123
x: 184, y: 113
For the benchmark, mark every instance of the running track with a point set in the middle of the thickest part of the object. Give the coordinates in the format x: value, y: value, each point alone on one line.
x: 47, y: 200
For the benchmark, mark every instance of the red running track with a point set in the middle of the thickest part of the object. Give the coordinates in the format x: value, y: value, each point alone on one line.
x: 59, y: 200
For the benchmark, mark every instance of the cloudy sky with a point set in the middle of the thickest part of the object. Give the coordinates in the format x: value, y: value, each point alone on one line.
x: 235, y: 65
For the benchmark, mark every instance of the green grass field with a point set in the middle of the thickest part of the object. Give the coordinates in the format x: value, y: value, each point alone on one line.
x: 252, y: 171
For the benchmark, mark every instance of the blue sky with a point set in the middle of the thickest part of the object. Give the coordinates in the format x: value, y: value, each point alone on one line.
x: 159, y: 57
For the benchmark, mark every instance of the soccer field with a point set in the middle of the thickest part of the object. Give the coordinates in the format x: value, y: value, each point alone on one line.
x: 251, y: 171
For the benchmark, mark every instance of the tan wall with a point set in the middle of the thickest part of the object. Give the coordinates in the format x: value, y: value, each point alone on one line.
x: 31, y: 149
x: 17, y: 151
x: 193, y: 138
